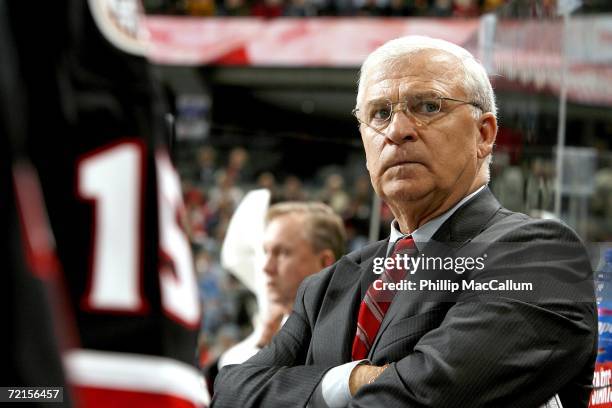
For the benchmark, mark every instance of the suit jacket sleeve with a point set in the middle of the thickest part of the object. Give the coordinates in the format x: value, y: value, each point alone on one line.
x: 503, y: 351
x: 276, y: 376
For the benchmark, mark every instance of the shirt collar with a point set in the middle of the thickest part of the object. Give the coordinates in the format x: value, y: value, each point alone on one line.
x: 423, y: 234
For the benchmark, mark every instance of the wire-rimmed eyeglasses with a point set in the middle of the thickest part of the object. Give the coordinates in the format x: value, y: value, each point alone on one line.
x: 424, y: 108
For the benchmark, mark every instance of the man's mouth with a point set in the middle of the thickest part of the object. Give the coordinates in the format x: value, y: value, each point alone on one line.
x: 401, y: 163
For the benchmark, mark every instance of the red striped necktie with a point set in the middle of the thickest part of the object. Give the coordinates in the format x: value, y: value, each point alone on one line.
x: 375, y: 303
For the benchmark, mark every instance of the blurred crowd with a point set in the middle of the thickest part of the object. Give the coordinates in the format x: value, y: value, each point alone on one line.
x: 314, y: 8
x: 213, y: 185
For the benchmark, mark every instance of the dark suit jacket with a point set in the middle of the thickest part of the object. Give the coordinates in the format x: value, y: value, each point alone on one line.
x: 467, y: 349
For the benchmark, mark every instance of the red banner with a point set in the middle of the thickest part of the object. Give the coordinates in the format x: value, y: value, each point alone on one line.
x: 320, y: 42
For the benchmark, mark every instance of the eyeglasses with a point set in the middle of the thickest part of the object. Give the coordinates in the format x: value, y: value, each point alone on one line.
x: 424, y: 108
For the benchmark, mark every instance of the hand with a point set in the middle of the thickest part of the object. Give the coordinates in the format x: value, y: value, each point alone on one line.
x: 271, y: 326
x: 364, y: 374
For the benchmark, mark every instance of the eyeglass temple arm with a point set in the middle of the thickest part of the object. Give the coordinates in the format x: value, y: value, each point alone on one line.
x: 460, y: 100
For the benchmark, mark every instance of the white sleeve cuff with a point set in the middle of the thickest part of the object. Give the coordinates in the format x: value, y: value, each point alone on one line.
x: 334, y: 387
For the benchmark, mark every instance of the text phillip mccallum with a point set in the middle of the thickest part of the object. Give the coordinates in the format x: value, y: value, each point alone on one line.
x: 447, y: 285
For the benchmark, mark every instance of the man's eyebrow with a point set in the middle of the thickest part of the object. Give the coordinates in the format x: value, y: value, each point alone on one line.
x: 404, y: 96
x: 377, y: 101
x: 421, y: 92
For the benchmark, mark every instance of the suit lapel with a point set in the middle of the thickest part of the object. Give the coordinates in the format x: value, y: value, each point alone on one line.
x: 467, y: 222
x: 338, y: 314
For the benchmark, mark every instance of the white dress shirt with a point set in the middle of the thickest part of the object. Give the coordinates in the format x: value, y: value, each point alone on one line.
x: 247, y: 348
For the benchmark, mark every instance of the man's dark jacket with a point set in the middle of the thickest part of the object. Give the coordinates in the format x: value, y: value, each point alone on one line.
x: 468, y: 348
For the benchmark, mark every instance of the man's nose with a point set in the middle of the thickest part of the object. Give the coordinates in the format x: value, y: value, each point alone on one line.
x: 270, y: 265
x: 402, y: 125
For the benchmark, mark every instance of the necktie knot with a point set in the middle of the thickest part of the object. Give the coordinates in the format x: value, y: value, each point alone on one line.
x: 405, y: 245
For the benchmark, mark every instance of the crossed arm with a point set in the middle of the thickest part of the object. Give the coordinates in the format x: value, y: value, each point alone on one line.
x: 501, y: 352
x: 462, y: 363
x: 276, y: 376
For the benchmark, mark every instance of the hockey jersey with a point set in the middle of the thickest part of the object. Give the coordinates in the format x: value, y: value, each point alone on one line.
x: 94, y: 131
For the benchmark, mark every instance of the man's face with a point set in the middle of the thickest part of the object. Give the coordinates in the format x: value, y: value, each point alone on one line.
x: 412, y: 160
x: 289, y: 255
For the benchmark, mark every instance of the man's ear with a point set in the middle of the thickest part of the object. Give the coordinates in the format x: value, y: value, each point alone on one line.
x: 326, y: 258
x: 487, y: 127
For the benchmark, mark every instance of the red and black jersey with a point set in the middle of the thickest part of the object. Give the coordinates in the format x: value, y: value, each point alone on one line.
x: 30, y: 353
x: 93, y: 128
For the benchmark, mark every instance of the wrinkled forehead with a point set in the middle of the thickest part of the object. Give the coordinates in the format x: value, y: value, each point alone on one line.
x: 422, y: 69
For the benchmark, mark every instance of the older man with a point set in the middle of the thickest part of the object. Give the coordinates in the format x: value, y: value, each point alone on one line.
x: 428, y: 122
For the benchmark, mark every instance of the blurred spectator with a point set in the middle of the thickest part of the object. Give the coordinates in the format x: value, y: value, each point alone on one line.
x: 267, y: 8
x: 197, y: 214
x: 539, y: 190
x: 236, y: 8
x: 224, y: 198
x: 491, y: 5
x: 338, y: 7
x: 312, y: 8
x: 442, y: 8
x: 372, y: 8
x: 300, y: 239
x: 465, y: 8
x: 210, y: 277
x: 508, y: 182
x: 268, y: 181
x: 421, y: 7
x: 334, y: 195
x: 224, y: 304
x: 293, y: 190
x: 222, y: 217
x: 238, y: 165
x: 300, y: 8
x: 206, y: 157
x: 225, y: 192
x: 510, y: 140
x: 200, y: 7
x: 399, y: 8
x: 357, y: 217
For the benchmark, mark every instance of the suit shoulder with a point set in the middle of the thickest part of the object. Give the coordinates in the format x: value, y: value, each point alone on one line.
x: 367, y: 252
x: 512, y: 226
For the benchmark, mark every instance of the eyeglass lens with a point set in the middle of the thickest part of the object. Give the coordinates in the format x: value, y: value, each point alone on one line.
x: 424, y: 108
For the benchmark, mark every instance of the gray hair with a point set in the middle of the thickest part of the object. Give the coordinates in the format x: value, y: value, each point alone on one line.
x: 475, y: 79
